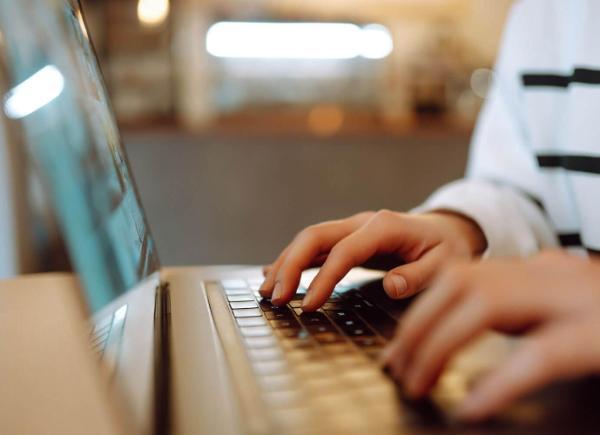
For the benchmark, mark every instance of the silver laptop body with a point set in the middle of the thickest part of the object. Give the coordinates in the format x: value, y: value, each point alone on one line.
x: 193, y: 350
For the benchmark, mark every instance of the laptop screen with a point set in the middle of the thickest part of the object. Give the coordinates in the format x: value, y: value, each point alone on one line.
x: 53, y: 90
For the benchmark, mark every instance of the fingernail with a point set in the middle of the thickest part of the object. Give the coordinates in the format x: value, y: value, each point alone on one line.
x: 307, y: 299
x: 468, y: 410
x: 265, y: 286
x: 399, y: 284
x: 386, y: 354
x: 276, y: 292
x: 264, y: 290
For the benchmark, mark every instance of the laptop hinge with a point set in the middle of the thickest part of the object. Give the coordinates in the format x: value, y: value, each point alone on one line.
x: 162, y: 362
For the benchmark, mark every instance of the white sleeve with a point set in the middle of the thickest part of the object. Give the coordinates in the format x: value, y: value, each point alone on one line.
x: 502, y: 182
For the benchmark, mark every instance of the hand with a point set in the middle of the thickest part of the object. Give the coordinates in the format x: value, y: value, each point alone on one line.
x: 423, y: 242
x: 554, y: 298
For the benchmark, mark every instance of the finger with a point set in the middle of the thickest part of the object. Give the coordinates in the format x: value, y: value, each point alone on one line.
x: 309, y: 245
x: 560, y: 353
x: 352, y: 251
x: 422, y: 315
x: 266, y: 288
x: 465, y: 321
x: 483, y: 306
x: 408, y: 279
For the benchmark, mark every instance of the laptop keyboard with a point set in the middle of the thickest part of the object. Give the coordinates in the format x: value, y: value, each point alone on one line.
x: 323, y: 362
x: 105, y: 338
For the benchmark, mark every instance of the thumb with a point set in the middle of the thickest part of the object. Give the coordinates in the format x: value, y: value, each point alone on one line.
x: 411, y: 278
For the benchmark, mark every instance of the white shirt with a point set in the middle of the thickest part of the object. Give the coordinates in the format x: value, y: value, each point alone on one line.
x: 533, y: 178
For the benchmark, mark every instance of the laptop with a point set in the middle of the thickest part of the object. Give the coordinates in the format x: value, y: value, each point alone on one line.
x: 197, y: 350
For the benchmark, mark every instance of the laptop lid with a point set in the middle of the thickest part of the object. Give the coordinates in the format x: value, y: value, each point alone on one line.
x: 55, y: 92
x: 52, y: 92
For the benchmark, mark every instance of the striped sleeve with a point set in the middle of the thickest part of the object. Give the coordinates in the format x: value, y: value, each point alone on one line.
x: 502, y: 186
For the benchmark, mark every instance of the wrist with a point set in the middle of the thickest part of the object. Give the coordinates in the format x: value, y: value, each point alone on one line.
x: 464, y: 232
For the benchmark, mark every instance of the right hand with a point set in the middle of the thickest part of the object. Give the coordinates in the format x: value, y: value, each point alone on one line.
x: 421, y: 243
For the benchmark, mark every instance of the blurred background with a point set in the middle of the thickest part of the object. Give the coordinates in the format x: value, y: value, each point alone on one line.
x: 247, y: 120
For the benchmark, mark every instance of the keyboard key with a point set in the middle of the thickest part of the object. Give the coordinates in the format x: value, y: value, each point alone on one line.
x: 260, y: 342
x: 350, y: 361
x: 314, y: 369
x: 277, y: 382
x: 332, y: 306
x: 286, y: 323
x: 315, y: 329
x: 338, y: 349
x: 255, y: 331
x: 251, y: 321
x: 103, y: 324
x: 99, y: 347
x: 99, y: 338
x: 279, y: 315
x: 366, y: 342
x: 348, y: 320
x: 328, y: 338
x: 267, y: 368
x: 341, y: 314
x: 359, y: 332
x: 240, y: 298
x: 296, y: 303
x: 236, y: 292
x: 256, y: 281
x: 247, y: 312
x: 293, y: 333
x: 353, y: 326
x: 297, y: 420
x: 302, y: 356
x: 240, y: 305
x: 298, y: 343
x: 314, y: 319
x: 234, y: 284
x: 364, y: 376
x: 265, y: 354
x: 323, y: 385
x: 376, y: 317
x: 284, y: 399
x: 265, y: 304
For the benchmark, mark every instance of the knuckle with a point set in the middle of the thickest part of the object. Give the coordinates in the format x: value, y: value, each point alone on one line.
x: 383, y: 215
x: 363, y: 215
x: 339, y: 255
x: 309, y: 234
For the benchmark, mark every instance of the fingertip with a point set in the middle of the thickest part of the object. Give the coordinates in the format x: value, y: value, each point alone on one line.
x: 311, y: 301
x: 395, y: 286
x: 266, y: 269
x: 470, y: 411
x: 265, y: 293
x: 266, y: 288
x: 277, y: 295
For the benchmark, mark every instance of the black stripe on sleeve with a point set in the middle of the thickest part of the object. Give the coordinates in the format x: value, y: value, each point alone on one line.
x: 523, y: 192
x: 594, y: 252
x: 579, y: 75
x: 588, y: 164
x: 570, y: 240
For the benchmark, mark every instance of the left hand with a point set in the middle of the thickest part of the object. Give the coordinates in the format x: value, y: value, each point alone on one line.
x: 554, y: 299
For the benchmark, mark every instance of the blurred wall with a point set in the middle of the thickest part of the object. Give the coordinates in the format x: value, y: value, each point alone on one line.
x: 163, y: 71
